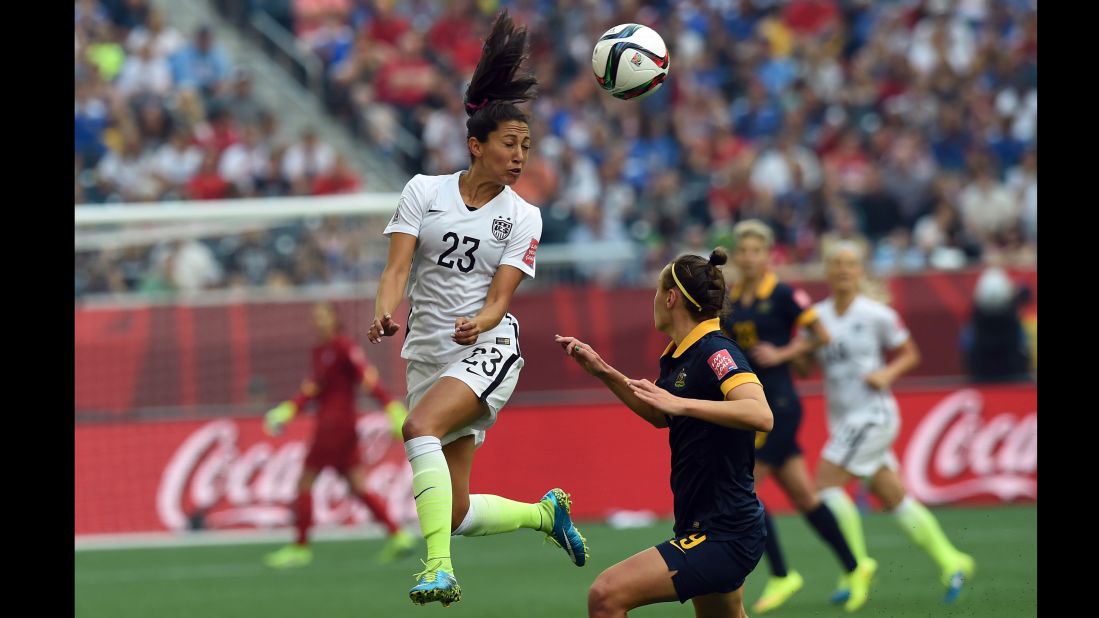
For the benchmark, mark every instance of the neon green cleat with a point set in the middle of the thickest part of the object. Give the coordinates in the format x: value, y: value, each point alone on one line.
x: 289, y: 557
x: 858, y: 582
x: 400, y: 545
x: 777, y: 591
x: 955, y: 576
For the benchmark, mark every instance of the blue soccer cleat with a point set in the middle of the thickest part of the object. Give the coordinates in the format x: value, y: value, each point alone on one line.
x: 435, y: 584
x: 564, y: 534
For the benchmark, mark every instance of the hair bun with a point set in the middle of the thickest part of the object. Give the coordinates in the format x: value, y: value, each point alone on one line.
x: 718, y: 257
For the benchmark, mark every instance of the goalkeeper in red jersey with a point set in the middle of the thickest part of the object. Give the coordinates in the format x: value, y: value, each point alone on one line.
x: 339, y: 367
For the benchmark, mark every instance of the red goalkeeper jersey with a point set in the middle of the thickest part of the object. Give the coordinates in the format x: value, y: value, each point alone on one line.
x: 338, y: 368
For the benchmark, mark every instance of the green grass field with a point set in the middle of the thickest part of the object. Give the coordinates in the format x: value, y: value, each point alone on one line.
x: 515, y: 575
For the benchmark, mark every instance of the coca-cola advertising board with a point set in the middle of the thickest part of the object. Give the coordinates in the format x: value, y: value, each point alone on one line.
x: 957, y: 446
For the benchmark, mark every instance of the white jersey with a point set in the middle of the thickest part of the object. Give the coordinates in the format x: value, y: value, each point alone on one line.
x: 854, y: 350
x: 458, y: 252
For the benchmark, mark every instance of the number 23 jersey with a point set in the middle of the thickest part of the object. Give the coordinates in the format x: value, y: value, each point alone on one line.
x: 458, y: 252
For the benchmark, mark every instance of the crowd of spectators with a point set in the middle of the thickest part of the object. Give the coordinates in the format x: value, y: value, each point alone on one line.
x: 908, y: 126
x: 162, y: 116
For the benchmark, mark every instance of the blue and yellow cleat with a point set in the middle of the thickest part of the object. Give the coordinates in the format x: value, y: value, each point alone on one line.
x: 564, y: 534
x: 842, y: 594
x: 858, y: 584
x: 956, y: 576
x: 435, y: 584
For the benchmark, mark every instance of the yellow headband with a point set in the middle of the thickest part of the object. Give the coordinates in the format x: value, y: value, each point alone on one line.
x: 681, y: 288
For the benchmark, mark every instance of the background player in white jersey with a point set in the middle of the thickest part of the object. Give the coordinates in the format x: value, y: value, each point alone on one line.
x: 863, y: 417
x: 463, y: 243
x: 763, y: 317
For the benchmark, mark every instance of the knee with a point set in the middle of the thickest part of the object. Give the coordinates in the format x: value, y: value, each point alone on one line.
x: 805, y: 501
x: 458, y: 514
x: 601, y: 602
x: 890, y: 500
x: 415, y: 427
x: 888, y: 488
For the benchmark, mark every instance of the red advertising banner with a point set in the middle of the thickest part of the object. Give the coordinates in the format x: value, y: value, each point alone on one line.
x: 958, y: 446
x: 182, y: 357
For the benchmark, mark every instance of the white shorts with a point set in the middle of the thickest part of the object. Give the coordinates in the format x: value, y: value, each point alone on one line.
x: 489, y: 369
x: 862, y: 448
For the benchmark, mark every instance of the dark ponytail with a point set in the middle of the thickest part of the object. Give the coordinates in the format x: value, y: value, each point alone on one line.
x: 497, y: 87
x: 701, y: 280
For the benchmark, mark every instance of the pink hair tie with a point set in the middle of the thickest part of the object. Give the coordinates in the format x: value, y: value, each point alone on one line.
x: 474, y: 108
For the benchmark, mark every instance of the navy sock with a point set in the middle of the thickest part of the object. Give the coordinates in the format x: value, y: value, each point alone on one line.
x: 774, y: 552
x: 824, y: 522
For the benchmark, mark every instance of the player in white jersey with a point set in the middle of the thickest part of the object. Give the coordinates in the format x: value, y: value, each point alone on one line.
x: 461, y: 244
x: 863, y: 417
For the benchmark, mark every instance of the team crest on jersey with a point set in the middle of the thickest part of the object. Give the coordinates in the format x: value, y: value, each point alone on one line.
x: 501, y: 228
x: 764, y: 306
x: 681, y: 379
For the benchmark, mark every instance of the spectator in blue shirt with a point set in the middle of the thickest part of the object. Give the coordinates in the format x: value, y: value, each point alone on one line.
x: 200, y: 65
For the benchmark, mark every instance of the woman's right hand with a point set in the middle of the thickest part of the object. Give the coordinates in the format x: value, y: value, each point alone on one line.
x: 382, y: 327
x: 585, y: 356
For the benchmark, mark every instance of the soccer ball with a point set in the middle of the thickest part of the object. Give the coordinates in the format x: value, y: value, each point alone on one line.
x: 630, y: 61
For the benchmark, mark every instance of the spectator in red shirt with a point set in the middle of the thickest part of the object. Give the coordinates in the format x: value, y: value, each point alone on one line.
x: 340, y: 179
x: 457, y: 36
x: 387, y: 25
x: 222, y: 132
x: 407, y: 79
x: 727, y: 147
x: 847, y: 165
x: 810, y: 17
x: 207, y: 184
x: 310, y: 14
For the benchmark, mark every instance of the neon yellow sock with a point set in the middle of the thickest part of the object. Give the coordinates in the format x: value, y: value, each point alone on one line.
x: 848, y: 518
x: 432, y: 491
x: 924, y: 530
x: 490, y: 514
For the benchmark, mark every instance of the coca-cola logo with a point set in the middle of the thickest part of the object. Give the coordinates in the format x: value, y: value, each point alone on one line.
x: 997, y: 457
x: 211, y: 475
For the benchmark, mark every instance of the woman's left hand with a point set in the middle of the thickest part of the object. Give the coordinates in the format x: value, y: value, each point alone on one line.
x: 466, y: 331
x: 657, y: 397
x: 585, y: 356
x: 878, y: 380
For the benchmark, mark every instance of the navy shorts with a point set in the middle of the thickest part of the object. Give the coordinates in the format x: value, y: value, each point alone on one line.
x: 706, y: 567
x: 782, y: 441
